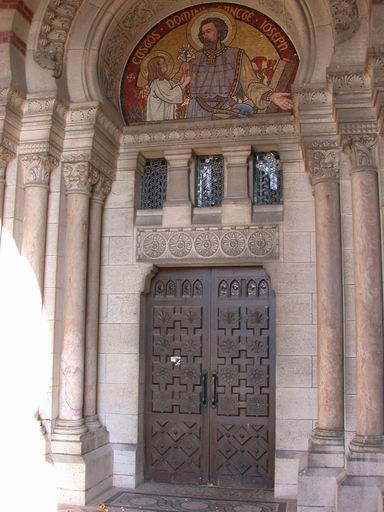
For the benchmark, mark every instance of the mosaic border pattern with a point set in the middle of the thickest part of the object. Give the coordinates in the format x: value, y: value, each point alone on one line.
x: 207, y: 243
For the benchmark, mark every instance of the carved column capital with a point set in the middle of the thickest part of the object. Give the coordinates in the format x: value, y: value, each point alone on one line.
x: 37, y: 168
x: 324, y: 163
x: 101, y: 188
x: 6, y: 155
x: 79, y: 177
x: 362, y: 150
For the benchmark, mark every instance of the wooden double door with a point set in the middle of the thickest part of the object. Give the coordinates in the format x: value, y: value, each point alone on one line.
x: 210, y: 373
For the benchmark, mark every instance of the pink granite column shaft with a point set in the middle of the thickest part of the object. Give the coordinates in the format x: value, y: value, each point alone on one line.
x: 368, y: 295
x: 101, y: 190
x: 325, y: 178
x: 77, y: 178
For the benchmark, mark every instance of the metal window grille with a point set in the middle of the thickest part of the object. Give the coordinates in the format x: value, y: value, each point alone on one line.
x: 209, y: 180
x: 267, y: 178
x: 154, y: 185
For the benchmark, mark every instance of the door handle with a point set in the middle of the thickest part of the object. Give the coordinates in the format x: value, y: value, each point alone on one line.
x: 204, y: 393
x: 215, y: 398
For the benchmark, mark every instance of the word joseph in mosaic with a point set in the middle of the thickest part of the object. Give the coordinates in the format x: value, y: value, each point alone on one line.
x: 214, y: 61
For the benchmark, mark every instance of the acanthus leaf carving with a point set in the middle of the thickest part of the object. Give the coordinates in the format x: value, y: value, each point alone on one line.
x: 345, y: 17
x: 53, y: 34
x: 324, y: 163
x: 101, y: 188
x: 79, y: 177
x: 362, y: 150
x: 37, y: 168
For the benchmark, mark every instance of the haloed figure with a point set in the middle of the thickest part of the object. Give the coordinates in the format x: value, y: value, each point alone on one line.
x: 164, y: 93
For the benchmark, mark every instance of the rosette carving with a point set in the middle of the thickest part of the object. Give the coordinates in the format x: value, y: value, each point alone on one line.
x: 261, y: 243
x: 37, y: 168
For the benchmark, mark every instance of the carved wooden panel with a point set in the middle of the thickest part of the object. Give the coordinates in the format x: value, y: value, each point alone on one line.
x: 242, y: 353
x: 210, y: 377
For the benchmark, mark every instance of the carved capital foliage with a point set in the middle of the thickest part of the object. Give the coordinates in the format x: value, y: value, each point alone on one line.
x: 362, y: 149
x: 102, y: 188
x: 37, y: 168
x: 6, y: 155
x: 79, y: 177
x: 324, y: 164
x: 53, y: 34
x: 345, y: 17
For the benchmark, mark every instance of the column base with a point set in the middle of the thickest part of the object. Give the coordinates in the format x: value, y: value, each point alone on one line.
x: 92, y: 422
x: 177, y: 213
x: 70, y: 427
x: 367, y: 444
x: 327, y: 437
x: 83, y: 464
x: 236, y: 211
x: 326, y: 449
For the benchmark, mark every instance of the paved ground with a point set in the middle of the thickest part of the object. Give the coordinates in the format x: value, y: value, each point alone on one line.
x: 175, y: 498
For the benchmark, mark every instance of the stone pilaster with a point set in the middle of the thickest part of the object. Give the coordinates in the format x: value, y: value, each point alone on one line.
x: 237, y: 204
x: 5, y: 157
x: 323, y: 160
x: 100, y: 191
x: 177, y: 209
x: 37, y: 168
x: 368, y: 293
x: 78, y: 178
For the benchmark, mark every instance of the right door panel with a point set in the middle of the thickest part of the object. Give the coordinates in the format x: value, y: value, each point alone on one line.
x: 242, y: 379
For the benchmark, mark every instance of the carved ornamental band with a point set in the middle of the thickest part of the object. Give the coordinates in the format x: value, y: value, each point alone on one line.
x: 218, y: 244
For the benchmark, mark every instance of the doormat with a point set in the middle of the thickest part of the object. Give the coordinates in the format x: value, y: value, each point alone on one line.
x: 154, y: 503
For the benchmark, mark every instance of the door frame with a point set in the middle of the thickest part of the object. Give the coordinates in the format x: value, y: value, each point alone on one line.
x: 144, y: 393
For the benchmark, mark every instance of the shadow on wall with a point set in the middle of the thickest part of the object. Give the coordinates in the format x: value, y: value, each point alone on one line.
x: 25, y: 378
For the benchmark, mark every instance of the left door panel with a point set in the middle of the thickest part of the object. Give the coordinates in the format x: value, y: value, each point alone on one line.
x: 177, y: 325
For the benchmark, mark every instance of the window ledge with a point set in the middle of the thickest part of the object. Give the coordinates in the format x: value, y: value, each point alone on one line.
x: 150, y: 217
x: 264, y: 213
x: 206, y: 215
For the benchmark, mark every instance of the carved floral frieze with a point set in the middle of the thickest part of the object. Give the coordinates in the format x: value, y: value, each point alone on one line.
x: 183, y: 132
x: 207, y: 243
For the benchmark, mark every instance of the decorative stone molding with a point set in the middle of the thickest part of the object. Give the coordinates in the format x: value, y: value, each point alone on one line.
x: 37, y: 168
x: 358, y: 128
x: 219, y: 244
x: 324, y: 164
x: 362, y: 149
x: 79, y: 177
x: 53, y: 34
x: 101, y: 188
x: 220, y: 132
x: 310, y: 97
x: 350, y: 81
x: 345, y: 17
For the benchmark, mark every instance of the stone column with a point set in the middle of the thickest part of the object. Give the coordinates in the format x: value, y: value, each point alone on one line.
x: 36, y: 173
x: 78, y: 177
x: 325, y: 174
x: 100, y: 192
x: 177, y: 209
x: 237, y: 204
x: 368, y: 294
